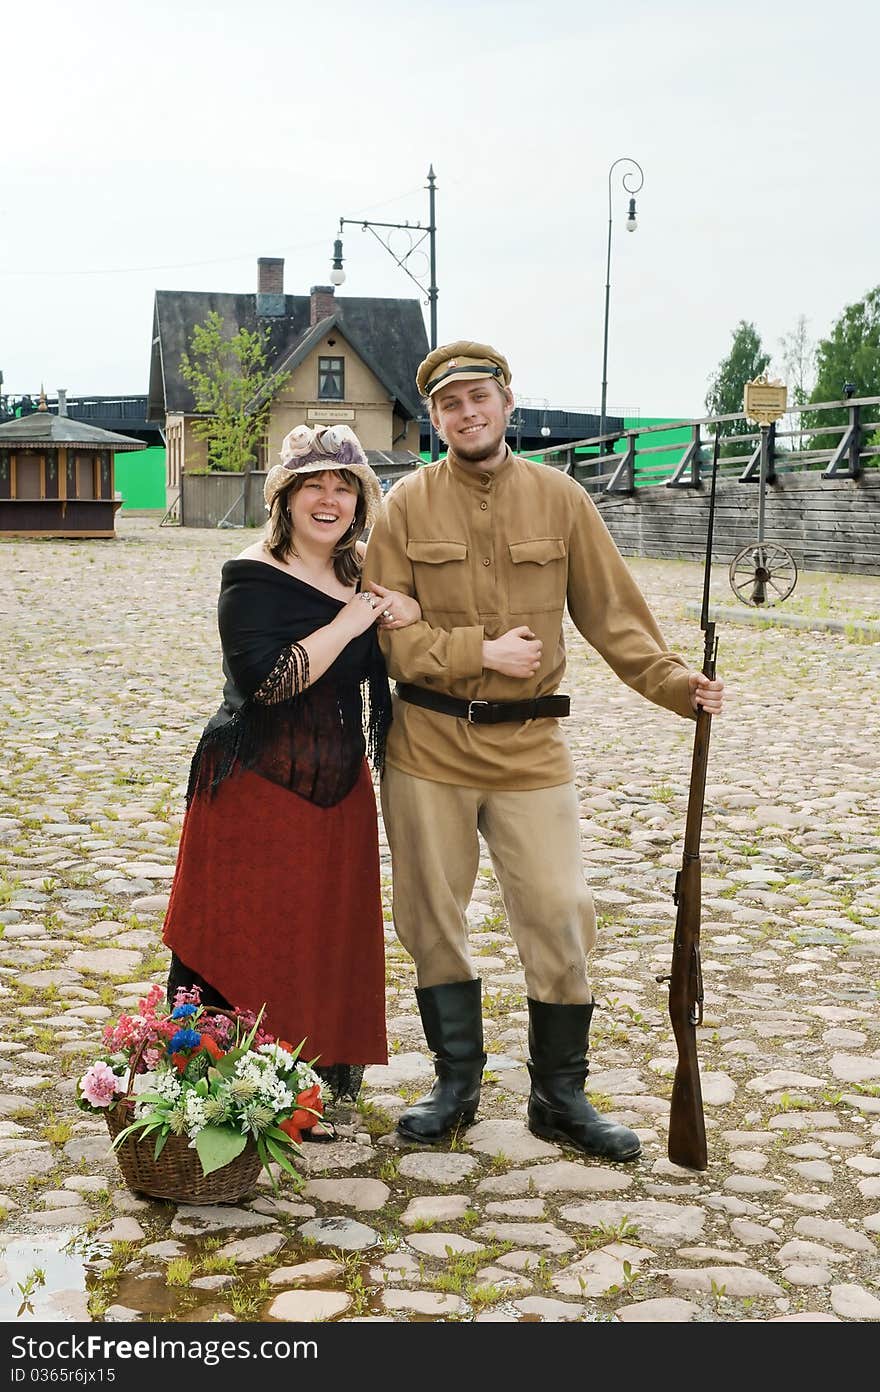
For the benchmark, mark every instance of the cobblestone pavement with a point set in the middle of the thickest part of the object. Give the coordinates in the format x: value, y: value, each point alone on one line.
x: 110, y: 668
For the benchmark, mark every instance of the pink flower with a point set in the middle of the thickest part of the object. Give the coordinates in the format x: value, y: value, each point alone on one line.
x: 99, y: 1085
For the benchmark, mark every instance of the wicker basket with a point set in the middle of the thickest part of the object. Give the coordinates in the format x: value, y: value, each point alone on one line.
x: 177, y: 1174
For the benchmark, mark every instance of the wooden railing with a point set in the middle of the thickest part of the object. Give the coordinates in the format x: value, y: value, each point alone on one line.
x: 625, y: 460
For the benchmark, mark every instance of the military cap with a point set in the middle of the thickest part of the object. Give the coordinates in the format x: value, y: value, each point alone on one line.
x: 459, y: 362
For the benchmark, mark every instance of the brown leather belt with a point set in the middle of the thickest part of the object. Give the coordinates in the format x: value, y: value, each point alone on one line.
x: 484, y: 712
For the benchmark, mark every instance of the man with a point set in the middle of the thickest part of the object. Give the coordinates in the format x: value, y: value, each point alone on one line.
x: 494, y: 547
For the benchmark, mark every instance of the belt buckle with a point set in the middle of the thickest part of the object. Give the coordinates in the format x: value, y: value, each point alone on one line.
x: 471, y: 704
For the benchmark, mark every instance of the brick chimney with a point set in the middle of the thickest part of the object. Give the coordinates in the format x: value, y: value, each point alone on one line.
x: 322, y: 303
x: 62, y: 401
x: 270, y: 287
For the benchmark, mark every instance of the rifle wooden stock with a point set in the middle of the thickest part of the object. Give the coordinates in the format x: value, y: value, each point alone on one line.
x: 687, y: 1127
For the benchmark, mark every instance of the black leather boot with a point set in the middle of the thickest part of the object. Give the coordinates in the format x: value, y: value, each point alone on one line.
x: 452, y: 1018
x: 558, y: 1109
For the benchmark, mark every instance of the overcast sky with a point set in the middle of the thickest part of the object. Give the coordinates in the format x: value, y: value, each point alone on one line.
x: 167, y: 146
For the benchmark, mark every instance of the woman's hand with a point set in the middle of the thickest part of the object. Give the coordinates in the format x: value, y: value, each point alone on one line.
x: 360, y: 613
x: 398, y: 610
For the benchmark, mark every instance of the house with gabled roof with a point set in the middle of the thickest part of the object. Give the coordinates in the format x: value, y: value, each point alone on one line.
x: 332, y: 358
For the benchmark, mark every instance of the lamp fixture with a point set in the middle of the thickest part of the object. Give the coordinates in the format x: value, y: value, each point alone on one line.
x: 337, y: 275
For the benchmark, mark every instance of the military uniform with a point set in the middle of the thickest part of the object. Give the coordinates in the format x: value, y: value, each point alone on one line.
x: 485, y: 552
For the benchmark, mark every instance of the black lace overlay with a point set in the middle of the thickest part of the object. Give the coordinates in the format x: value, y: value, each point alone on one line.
x: 309, y: 738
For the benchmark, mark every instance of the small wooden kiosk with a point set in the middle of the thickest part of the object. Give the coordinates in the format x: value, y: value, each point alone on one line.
x: 56, y: 476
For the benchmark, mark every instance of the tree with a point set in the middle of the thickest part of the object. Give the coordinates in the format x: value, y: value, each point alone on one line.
x: 851, y: 353
x: 229, y: 380
x: 745, y: 361
x: 798, y: 371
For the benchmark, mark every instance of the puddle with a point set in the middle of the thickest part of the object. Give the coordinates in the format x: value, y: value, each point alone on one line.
x: 54, y: 1276
x: 40, y: 1279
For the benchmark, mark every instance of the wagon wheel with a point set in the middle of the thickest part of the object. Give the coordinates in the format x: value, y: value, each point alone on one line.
x: 763, y: 574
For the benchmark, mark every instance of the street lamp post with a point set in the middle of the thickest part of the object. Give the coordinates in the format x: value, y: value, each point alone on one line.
x: 429, y: 234
x: 634, y: 172
x: 517, y: 420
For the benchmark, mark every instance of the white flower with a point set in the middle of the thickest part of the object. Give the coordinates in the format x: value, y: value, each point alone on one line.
x: 276, y: 1094
x: 248, y: 1069
x: 168, y: 1086
x: 305, y: 1077
x: 280, y: 1057
x: 194, y: 1111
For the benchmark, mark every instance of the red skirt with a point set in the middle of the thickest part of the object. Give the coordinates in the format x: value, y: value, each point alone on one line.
x: 276, y: 902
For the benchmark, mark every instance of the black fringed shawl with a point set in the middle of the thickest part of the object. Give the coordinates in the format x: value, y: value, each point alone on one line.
x: 308, y: 738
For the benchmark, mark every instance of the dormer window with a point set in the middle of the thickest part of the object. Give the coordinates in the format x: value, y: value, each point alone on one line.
x: 331, y: 379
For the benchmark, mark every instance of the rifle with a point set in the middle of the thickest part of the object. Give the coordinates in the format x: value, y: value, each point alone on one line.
x: 687, y: 1127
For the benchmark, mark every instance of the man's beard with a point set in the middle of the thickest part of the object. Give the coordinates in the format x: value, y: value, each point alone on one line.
x: 476, y: 454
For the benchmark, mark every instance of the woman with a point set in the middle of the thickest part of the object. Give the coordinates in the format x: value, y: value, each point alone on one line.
x: 276, y: 899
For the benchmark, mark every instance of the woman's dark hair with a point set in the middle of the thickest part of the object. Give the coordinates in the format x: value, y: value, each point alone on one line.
x: 280, y: 541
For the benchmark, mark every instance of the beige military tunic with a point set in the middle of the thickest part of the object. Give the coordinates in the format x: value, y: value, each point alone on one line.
x: 484, y: 553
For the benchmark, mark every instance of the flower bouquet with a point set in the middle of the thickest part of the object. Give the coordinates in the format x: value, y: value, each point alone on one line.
x: 199, y: 1099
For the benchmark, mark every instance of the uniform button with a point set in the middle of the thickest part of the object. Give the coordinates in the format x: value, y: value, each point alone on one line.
x: 487, y: 562
x: 483, y: 507
x: 485, y: 478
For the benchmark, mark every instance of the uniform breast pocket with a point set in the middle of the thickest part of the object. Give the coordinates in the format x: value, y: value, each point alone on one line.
x: 440, y: 574
x: 538, y: 574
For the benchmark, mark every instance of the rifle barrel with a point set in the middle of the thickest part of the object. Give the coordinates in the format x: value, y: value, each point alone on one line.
x: 704, y: 613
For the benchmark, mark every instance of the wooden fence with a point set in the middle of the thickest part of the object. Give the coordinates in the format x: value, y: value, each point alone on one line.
x: 823, y: 505
x: 826, y: 524
x: 222, y: 500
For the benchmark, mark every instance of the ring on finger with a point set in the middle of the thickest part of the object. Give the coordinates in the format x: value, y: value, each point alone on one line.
x: 387, y: 614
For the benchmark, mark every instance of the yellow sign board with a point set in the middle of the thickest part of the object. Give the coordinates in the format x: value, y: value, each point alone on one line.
x: 330, y: 413
x: 765, y: 400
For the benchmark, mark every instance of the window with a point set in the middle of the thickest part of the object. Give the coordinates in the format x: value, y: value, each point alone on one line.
x: 28, y: 475
x: 331, y: 379
x: 85, y: 476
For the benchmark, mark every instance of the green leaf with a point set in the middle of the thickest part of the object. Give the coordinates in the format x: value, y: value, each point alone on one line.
x: 277, y: 1134
x: 218, y: 1146
x: 278, y: 1154
x: 251, y: 1034
x: 226, y: 1066
x: 160, y: 1143
x: 264, y: 1161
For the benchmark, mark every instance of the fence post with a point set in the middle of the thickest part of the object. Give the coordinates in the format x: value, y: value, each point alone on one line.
x: 690, y: 460
x: 623, y: 480
x: 850, y: 446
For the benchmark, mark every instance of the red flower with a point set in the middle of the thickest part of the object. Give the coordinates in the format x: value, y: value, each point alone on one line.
x: 302, y: 1119
x: 293, y: 1131
x: 211, y: 1047
x: 180, y: 1061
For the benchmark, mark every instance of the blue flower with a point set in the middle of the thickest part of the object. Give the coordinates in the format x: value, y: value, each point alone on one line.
x: 184, y: 1039
x: 182, y: 1012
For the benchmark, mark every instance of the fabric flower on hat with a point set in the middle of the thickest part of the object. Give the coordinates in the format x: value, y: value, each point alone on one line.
x: 308, y: 451
x: 297, y: 443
